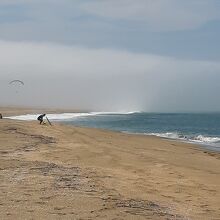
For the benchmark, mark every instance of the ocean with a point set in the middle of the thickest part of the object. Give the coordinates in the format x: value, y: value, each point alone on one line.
x: 199, y: 128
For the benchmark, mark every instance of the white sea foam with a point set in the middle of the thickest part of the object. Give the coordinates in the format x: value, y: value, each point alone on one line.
x: 205, y: 139
x: 171, y: 135
x: 65, y: 116
x: 197, y: 138
x: 117, y: 113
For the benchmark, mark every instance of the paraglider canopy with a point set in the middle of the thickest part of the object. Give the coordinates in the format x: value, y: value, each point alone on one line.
x: 16, y: 84
x: 16, y: 81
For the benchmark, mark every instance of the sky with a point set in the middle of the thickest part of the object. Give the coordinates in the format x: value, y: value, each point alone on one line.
x: 111, y: 55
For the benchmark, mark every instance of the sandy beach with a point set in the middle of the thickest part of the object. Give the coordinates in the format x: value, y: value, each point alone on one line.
x: 66, y: 172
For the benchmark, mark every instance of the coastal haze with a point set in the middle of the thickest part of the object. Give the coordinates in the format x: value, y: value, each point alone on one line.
x: 109, y: 109
x: 154, y: 56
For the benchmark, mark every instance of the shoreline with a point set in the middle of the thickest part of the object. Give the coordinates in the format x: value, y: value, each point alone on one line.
x: 70, y: 172
x: 202, y: 146
x: 66, y: 114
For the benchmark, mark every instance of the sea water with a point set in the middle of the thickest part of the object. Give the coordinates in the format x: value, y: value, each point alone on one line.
x: 196, y: 128
x: 201, y: 128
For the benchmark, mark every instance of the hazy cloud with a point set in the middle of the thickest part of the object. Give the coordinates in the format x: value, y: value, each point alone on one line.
x: 103, y: 79
x: 188, y: 28
x: 158, y: 15
x: 111, y: 55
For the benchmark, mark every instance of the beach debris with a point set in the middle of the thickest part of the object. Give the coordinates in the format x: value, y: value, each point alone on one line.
x: 1, y: 116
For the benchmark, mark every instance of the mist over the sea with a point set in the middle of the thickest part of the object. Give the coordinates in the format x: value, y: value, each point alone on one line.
x: 101, y: 79
x: 111, y: 55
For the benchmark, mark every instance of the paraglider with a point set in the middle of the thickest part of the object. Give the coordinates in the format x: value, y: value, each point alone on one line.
x: 16, y: 84
x: 16, y: 81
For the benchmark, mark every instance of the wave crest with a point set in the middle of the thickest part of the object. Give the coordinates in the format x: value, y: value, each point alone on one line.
x: 67, y: 116
x: 196, y: 138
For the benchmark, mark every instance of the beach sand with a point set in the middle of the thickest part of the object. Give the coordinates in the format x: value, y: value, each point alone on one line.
x: 66, y: 172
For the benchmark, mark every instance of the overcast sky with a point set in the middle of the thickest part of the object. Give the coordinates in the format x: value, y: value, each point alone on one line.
x: 111, y: 55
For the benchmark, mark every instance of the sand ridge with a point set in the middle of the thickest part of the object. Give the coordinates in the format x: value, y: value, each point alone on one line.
x: 65, y: 172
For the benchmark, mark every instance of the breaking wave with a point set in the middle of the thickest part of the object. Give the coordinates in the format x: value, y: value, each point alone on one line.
x: 66, y: 116
x: 189, y: 138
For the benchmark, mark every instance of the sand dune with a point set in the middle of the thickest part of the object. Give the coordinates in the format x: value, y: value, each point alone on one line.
x: 64, y: 172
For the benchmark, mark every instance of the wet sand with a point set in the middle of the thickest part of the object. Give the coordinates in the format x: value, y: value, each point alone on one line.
x: 65, y: 172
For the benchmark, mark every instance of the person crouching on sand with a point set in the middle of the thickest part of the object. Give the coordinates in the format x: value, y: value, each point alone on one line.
x: 41, y: 118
